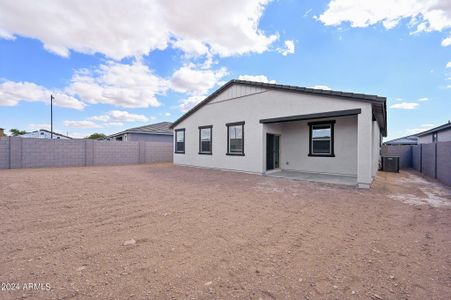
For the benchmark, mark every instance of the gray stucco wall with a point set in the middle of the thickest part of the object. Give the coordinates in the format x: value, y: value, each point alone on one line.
x: 403, y: 151
x: 442, y: 136
x: 17, y: 152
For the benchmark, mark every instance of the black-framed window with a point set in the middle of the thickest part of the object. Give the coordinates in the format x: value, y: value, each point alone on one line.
x: 180, y: 141
x: 321, y: 138
x: 205, y: 139
x: 235, y: 138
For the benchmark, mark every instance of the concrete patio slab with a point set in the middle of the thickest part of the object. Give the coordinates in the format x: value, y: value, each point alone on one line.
x: 315, y: 177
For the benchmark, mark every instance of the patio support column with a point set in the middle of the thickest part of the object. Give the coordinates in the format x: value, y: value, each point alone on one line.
x: 364, y: 143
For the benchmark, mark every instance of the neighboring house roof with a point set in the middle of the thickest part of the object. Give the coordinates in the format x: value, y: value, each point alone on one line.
x: 49, y: 132
x: 405, y: 140
x: 436, y: 129
x: 379, y: 103
x: 162, y: 128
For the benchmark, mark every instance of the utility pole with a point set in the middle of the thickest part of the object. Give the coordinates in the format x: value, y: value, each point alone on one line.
x: 51, y: 116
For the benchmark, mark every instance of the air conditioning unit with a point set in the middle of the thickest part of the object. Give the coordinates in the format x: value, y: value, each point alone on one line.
x: 390, y: 164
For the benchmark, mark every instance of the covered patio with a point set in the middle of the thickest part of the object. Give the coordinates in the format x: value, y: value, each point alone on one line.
x: 330, y: 147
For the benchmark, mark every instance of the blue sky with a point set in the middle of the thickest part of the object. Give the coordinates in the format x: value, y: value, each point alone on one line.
x: 115, y: 64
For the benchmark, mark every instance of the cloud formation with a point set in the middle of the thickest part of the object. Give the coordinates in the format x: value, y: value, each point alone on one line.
x: 120, y: 29
x: 193, y: 80
x: 288, y: 48
x: 424, y: 15
x: 259, y: 78
x: 405, y: 105
x: 321, y: 87
x: 11, y: 93
x: 119, y: 116
x: 126, y: 85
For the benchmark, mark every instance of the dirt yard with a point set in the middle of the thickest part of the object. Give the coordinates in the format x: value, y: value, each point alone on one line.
x: 203, y: 234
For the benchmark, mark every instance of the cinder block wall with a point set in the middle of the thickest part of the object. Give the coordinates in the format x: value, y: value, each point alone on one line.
x: 403, y: 151
x: 4, y: 153
x: 16, y: 152
x: 433, y: 159
x: 112, y: 152
x: 444, y: 162
x: 158, y: 151
x: 428, y: 160
x: 416, y: 157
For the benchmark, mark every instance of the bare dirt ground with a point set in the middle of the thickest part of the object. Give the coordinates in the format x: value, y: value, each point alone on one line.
x: 205, y: 234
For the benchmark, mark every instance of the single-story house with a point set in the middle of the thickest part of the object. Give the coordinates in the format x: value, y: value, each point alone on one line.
x: 158, y: 132
x: 45, y: 134
x: 405, y: 140
x: 265, y: 128
x: 440, y: 133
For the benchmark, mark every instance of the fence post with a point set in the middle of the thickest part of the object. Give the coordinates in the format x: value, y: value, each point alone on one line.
x: 435, y: 165
x: 421, y: 158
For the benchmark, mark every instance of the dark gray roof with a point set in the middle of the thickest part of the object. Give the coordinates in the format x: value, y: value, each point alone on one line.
x: 162, y: 128
x: 436, y: 129
x: 379, y: 103
x: 405, y: 140
x: 323, y: 115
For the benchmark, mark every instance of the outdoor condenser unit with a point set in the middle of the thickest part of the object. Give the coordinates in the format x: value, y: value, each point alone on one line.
x: 390, y: 164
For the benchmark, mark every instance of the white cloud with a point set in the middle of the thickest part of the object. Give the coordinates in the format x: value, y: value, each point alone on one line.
x: 190, y: 102
x: 192, y: 80
x: 191, y: 47
x: 81, y: 124
x: 126, y: 85
x: 119, y: 116
x: 33, y: 126
x: 446, y: 41
x: 423, y: 99
x: 405, y: 105
x: 133, y: 28
x: 11, y: 93
x: 168, y: 114
x: 112, y: 124
x: 288, y: 49
x: 448, y: 65
x: 321, y: 87
x: 109, y: 119
x: 423, y: 127
x: 259, y: 78
x: 424, y: 15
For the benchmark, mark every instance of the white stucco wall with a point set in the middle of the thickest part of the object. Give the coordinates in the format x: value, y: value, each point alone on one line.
x: 252, y: 105
x: 295, y: 148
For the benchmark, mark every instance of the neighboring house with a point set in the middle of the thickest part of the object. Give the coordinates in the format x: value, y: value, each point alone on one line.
x: 440, y: 133
x: 2, y: 132
x: 159, y: 132
x: 260, y: 127
x: 44, y: 134
x: 406, y: 140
